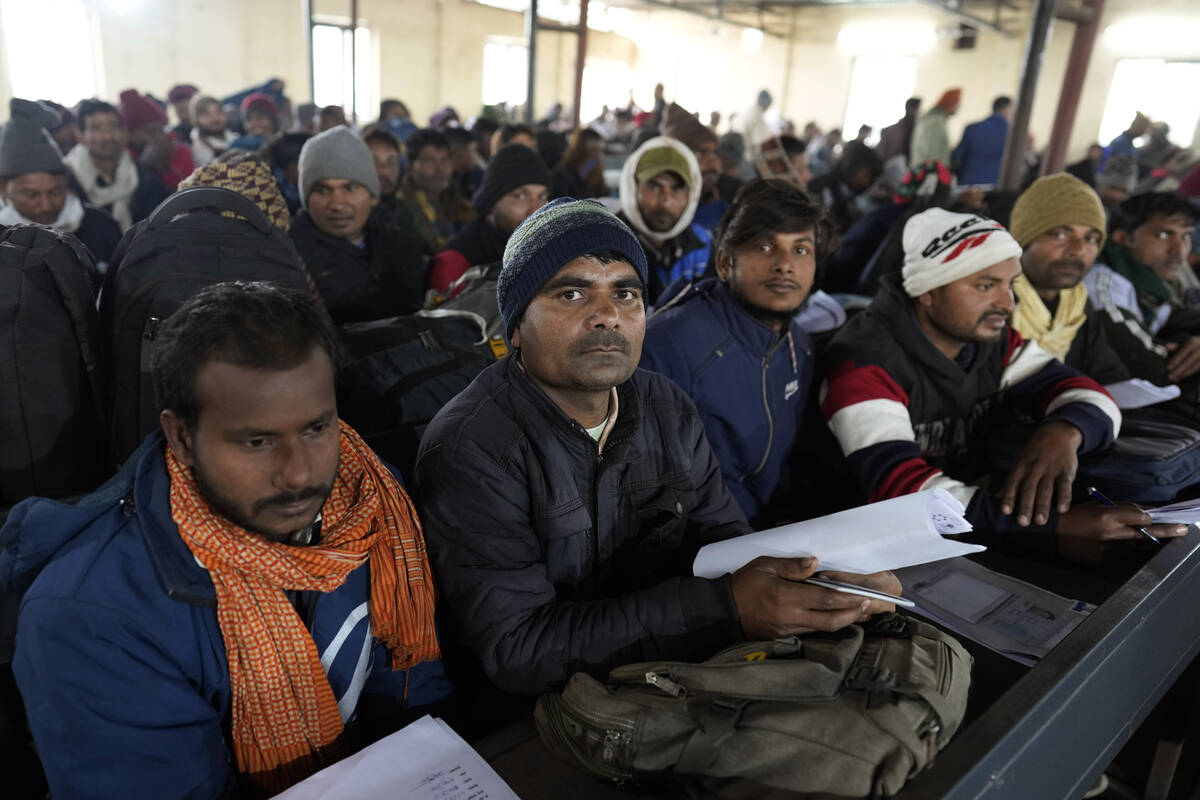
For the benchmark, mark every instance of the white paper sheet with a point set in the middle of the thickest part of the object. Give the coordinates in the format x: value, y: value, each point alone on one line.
x: 424, y: 761
x: 1185, y: 513
x: 887, y: 535
x: 1138, y: 393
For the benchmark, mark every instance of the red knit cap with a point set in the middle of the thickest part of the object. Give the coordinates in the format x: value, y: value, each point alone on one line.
x: 260, y: 100
x: 950, y: 98
x: 138, y: 111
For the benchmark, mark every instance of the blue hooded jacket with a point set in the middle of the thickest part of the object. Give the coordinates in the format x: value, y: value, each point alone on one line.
x: 120, y: 657
x: 749, y: 384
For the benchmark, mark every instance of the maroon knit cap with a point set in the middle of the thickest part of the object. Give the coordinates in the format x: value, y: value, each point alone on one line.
x: 138, y: 111
x: 260, y: 100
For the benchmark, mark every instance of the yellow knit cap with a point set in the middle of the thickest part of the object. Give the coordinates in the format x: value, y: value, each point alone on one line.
x: 1052, y: 201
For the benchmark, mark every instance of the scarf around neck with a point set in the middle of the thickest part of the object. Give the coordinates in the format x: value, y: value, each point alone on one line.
x: 69, y: 219
x: 1033, y: 320
x: 285, y: 718
x: 114, y: 197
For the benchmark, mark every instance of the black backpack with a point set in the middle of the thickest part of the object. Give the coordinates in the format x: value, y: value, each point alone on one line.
x: 397, y: 374
x: 52, y: 430
x: 190, y: 242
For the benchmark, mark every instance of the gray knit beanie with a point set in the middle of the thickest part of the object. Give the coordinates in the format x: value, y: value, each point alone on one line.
x: 27, y: 147
x: 338, y: 154
x: 553, y: 236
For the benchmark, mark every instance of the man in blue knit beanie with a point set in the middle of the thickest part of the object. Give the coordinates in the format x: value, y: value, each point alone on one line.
x: 565, y: 492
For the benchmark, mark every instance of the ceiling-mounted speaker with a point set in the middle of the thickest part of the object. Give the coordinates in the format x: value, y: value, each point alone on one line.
x: 966, y: 37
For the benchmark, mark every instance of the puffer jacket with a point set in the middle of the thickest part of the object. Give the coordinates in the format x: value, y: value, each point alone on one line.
x: 556, y: 557
x: 707, y: 343
x: 120, y: 657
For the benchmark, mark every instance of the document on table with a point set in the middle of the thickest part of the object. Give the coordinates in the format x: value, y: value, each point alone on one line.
x: 887, y: 535
x: 1138, y: 393
x: 1186, y: 513
x: 1010, y: 616
x: 424, y: 761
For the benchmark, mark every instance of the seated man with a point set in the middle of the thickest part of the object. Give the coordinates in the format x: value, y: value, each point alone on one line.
x: 438, y: 209
x: 660, y: 191
x: 105, y: 174
x: 679, y: 124
x: 33, y: 184
x: 246, y: 597
x: 1059, y: 222
x: 739, y: 329
x: 1135, y: 284
x: 516, y: 184
x: 915, y: 380
x: 210, y: 136
x: 151, y: 145
x: 363, y: 268
x: 564, y: 492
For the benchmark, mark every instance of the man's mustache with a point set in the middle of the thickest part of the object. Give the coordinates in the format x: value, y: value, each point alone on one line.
x: 288, y: 498
x: 600, y: 338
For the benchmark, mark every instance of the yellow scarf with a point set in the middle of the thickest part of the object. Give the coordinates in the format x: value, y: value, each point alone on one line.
x: 1033, y: 321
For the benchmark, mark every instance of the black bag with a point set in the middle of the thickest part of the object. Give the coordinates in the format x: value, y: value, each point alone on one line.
x: 52, y: 430
x: 397, y: 374
x: 190, y: 242
x: 1156, y: 457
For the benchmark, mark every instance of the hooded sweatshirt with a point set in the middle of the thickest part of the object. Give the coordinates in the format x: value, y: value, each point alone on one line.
x: 908, y: 418
x: 684, y: 250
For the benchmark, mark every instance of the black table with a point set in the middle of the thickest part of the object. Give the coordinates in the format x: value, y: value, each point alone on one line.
x: 1041, y: 732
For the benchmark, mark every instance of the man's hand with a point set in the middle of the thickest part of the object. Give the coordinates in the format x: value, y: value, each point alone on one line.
x: 1044, y: 471
x: 772, y: 602
x: 1107, y: 523
x: 1184, y: 361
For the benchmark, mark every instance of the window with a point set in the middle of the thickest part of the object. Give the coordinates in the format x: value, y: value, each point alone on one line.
x: 35, y: 76
x: 339, y: 53
x: 1163, y: 90
x: 605, y: 83
x: 505, y: 72
x: 879, y: 85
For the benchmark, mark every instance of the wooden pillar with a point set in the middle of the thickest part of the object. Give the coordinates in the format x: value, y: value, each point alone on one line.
x: 1072, y: 89
x: 1013, y: 168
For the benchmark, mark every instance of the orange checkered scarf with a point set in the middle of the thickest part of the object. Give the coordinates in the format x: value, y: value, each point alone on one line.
x: 285, y: 716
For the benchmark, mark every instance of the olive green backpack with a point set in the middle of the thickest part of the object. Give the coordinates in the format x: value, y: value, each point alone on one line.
x: 849, y: 714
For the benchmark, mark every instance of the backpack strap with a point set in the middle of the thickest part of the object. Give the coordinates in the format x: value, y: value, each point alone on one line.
x: 211, y: 198
x: 717, y: 721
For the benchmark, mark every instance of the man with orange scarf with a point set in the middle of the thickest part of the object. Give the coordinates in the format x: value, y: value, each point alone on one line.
x: 248, y: 600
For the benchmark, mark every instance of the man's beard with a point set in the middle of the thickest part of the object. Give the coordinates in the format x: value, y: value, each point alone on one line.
x: 228, y: 509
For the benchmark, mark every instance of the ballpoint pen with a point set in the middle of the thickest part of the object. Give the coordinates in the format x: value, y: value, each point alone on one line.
x: 1094, y: 493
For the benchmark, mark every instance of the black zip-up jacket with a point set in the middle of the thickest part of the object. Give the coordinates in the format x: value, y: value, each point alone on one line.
x: 383, y: 278
x: 555, y: 558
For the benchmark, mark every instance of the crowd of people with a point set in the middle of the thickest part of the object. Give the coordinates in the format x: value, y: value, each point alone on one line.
x: 693, y: 357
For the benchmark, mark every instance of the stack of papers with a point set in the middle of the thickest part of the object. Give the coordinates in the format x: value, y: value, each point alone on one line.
x: 424, y: 761
x: 1138, y: 393
x: 1012, y: 617
x: 1184, y: 513
x: 887, y: 535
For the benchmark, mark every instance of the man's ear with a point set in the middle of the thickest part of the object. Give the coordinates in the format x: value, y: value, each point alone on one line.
x: 1119, y: 236
x: 516, y: 337
x: 179, y: 438
x: 926, y: 299
x: 724, y: 265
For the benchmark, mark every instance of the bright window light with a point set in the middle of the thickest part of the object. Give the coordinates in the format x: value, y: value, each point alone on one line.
x: 333, y: 59
x: 605, y: 83
x: 1144, y: 36
x: 887, y: 39
x: 505, y: 73
x: 752, y: 41
x: 31, y: 31
x: 1163, y: 90
x: 878, y: 88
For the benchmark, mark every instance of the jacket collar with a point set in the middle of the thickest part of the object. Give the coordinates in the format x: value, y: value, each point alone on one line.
x: 756, y: 336
x: 177, y: 569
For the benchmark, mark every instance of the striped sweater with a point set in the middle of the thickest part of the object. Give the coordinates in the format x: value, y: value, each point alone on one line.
x: 908, y: 418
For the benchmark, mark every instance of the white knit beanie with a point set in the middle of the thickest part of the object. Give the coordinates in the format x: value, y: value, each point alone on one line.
x: 940, y: 247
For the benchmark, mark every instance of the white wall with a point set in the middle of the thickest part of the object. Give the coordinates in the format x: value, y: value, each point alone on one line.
x: 430, y: 53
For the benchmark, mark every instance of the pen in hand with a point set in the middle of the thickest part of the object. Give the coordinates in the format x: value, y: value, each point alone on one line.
x: 1094, y: 493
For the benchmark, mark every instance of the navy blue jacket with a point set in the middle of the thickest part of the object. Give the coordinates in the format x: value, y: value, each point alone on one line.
x: 981, y: 150
x: 119, y: 653
x: 749, y: 384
